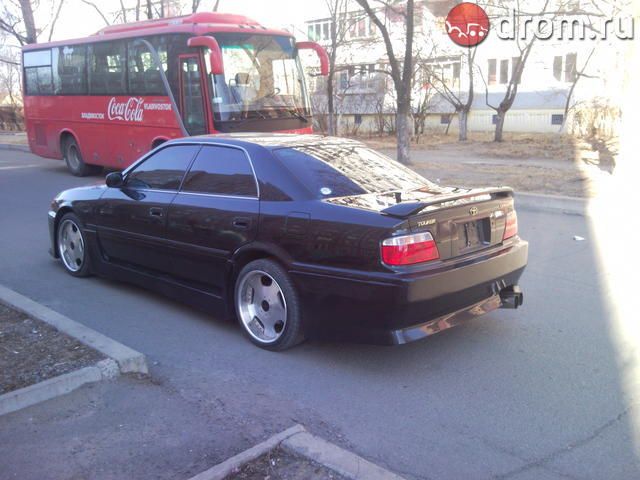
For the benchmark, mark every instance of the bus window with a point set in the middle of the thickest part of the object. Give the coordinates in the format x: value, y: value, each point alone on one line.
x: 193, y: 113
x: 144, y: 76
x: 107, y: 62
x: 262, y: 79
x: 69, y: 70
x: 37, y: 72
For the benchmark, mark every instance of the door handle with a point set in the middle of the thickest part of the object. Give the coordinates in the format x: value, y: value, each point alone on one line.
x: 241, y: 222
x: 156, y: 212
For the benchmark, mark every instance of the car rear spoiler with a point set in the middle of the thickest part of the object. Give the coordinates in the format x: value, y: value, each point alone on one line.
x: 407, y: 209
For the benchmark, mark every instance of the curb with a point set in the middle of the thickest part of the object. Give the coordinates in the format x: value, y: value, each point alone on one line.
x: 121, y: 359
x: 552, y: 203
x: 56, y: 386
x: 129, y: 360
x: 223, y: 469
x: 11, y: 146
x: 297, y: 440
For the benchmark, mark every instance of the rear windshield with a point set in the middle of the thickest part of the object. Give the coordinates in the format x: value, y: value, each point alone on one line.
x: 341, y: 170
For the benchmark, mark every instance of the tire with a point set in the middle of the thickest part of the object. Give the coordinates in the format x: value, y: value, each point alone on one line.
x: 267, y: 306
x: 74, y: 161
x: 71, y: 246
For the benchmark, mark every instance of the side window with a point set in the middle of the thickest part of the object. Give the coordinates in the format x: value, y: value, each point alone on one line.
x: 144, y: 76
x: 37, y: 72
x: 107, y: 65
x: 164, y: 170
x: 70, y: 70
x: 221, y: 171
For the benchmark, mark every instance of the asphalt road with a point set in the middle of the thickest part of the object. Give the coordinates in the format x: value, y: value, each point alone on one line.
x: 538, y: 393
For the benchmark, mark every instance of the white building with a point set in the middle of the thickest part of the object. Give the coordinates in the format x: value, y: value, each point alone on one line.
x: 364, y: 95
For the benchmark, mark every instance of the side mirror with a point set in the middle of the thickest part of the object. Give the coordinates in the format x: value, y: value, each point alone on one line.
x: 114, y: 180
x: 321, y: 52
x: 215, y: 54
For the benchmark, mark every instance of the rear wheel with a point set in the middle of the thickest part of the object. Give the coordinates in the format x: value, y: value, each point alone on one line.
x: 267, y: 306
x: 74, y: 161
x: 72, y: 247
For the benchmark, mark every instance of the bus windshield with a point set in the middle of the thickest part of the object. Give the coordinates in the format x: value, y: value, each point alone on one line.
x: 262, y: 79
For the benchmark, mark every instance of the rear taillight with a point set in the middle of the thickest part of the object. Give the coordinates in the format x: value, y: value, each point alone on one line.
x: 409, y: 249
x: 511, y: 225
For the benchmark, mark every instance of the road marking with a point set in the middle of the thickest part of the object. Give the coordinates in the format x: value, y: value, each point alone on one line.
x: 13, y: 167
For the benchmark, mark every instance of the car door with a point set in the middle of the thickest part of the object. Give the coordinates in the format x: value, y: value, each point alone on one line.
x: 132, y: 219
x: 214, y: 214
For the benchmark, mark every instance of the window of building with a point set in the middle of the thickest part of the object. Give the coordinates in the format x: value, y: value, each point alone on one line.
x: 344, y: 79
x: 492, y: 71
x: 514, y: 66
x: 319, y: 30
x: 557, y: 119
x: 37, y: 72
x: 357, y: 119
x: 445, y: 119
x: 221, y: 171
x: 163, y: 170
x: 570, y: 68
x: 504, y: 71
x: 70, y: 70
x: 494, y: 119
x: 107, y: 68
x: 565, y: 67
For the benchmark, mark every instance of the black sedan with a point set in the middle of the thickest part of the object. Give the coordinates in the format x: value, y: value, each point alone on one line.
x: 298, y: 237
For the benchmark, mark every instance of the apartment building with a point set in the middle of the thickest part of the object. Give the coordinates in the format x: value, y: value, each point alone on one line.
x: 561, y: 77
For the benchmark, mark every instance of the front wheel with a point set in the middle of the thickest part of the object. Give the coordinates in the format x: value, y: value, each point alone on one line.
x: 72, y: 247
x: 267, y: 306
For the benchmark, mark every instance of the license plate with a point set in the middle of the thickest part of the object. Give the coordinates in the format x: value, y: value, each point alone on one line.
x: 471, y: 234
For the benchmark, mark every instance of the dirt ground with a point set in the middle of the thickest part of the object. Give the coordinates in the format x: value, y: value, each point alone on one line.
x: 282, y: 465
x: 515, y: 145
x: 32, y: 351
x: 537, y: 163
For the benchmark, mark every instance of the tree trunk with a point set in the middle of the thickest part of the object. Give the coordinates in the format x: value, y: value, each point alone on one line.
x: 499, y: 125
x: 403, y: 132
x: 331, y: 126
x: 463, y: 116
x: 29, y: 22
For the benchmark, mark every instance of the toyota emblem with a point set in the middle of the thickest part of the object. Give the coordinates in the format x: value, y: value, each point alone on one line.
x: 473, y: 210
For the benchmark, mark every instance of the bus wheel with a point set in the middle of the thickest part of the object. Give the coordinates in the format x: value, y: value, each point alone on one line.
x: 73, y: 159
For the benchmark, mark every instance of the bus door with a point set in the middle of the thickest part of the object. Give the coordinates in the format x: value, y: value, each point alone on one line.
x: 192, y: 101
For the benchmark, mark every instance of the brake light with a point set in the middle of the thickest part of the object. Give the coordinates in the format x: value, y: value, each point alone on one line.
x: 511, y: 225
x: 409, y: 249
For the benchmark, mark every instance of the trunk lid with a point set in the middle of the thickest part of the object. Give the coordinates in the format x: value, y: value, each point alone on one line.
x: 461, y: 221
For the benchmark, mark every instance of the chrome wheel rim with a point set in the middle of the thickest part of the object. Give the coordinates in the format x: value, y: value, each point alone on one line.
x: 73, y: 157
x: 71, y: 245
x: 262, y: 306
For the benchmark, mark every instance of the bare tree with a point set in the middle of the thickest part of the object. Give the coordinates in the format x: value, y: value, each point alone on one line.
x: 581, y: 73
x: 459, y: 100
x: 401, y: 71
x: 97, y: 9
x: 55, y: 19
x: 339, y: 26
x: 17, y: 18
x: 29, y: 21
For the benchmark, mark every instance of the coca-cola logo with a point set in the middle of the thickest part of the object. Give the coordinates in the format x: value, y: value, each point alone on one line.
x: 130, y: 111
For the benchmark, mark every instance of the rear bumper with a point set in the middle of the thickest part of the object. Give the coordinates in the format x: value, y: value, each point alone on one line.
x: 395, y: 308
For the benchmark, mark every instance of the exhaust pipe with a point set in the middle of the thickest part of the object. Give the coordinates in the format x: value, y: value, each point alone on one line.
x: 511, y: 297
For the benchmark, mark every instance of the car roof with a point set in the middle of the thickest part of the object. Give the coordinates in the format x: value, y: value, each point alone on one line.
x: 269, y: 140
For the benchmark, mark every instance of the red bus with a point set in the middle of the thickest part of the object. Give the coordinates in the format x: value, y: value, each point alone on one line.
x: 104, y: 100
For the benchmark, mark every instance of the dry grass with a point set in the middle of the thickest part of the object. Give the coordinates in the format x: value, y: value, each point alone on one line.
x: 515, y: 145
